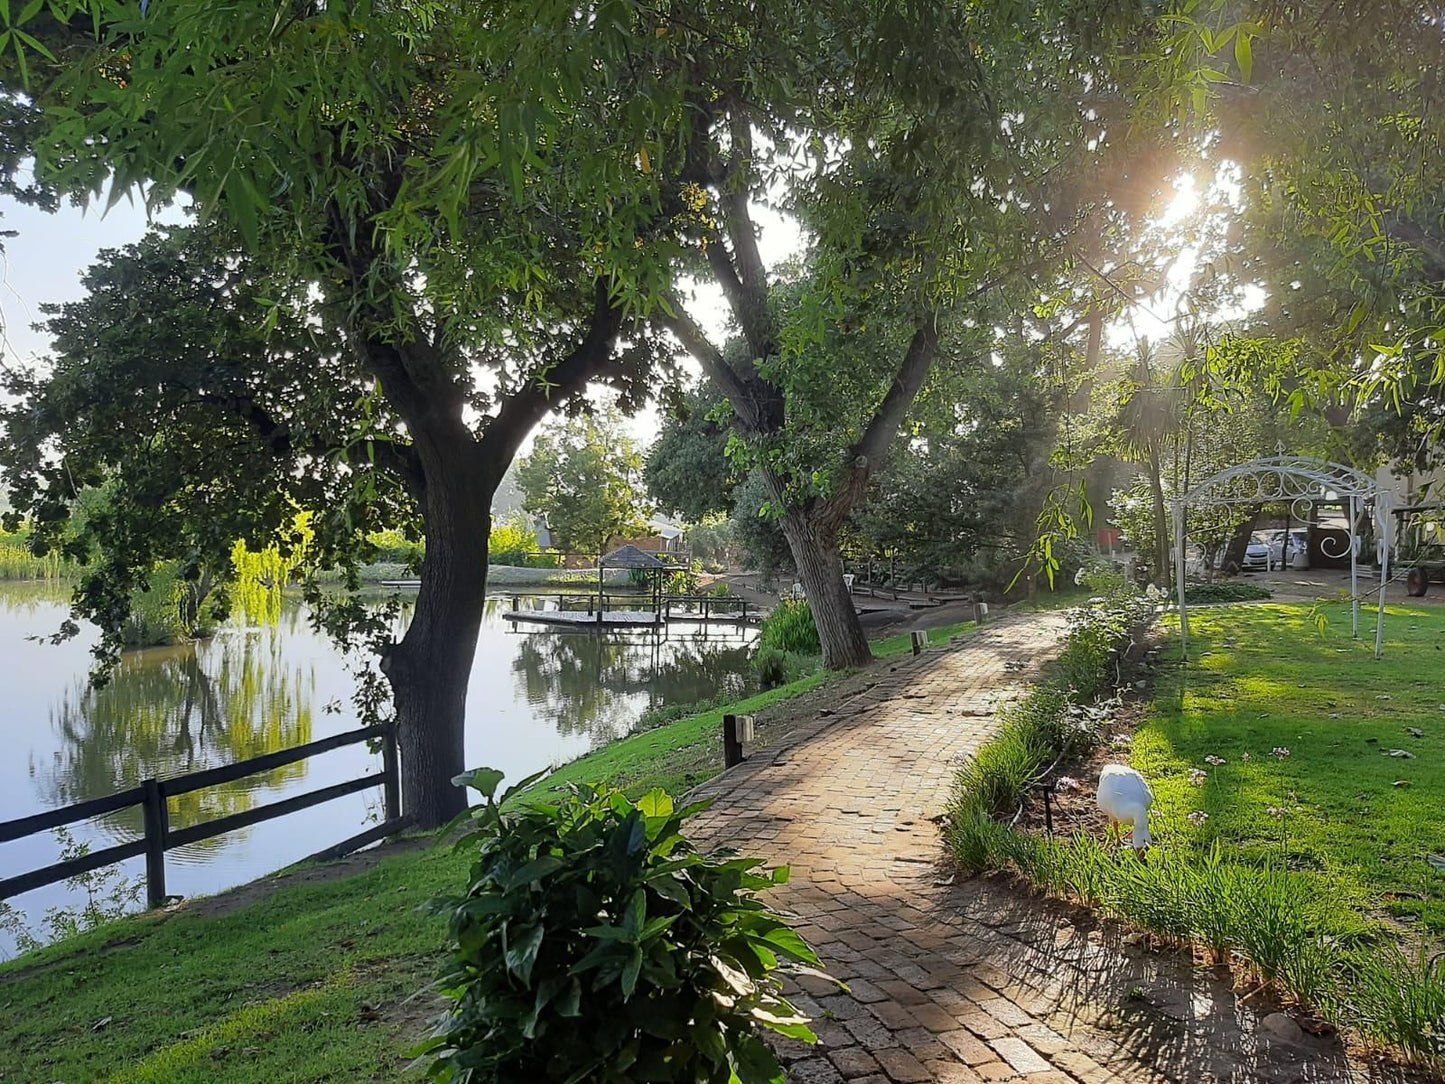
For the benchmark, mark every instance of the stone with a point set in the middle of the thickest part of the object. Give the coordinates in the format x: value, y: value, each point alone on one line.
x: 1281, y: 1027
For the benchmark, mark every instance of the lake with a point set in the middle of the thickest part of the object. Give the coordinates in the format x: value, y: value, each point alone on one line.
x: 537, y: 698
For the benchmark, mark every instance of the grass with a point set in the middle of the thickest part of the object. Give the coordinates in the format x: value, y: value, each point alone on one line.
x: 1265, y: 678
x: 309, y: 983
x: 285, y: 989
x: 1285, y: 832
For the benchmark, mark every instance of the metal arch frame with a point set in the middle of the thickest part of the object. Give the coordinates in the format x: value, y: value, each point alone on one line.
x: 1292, y: 479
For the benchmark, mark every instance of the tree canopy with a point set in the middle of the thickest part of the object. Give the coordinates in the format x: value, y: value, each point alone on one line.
x: 583, y: 477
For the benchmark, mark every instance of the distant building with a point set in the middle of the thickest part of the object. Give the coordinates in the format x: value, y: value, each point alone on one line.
x: 1410, y: 488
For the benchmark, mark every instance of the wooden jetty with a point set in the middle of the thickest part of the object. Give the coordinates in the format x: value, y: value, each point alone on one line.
x: 581, y: 619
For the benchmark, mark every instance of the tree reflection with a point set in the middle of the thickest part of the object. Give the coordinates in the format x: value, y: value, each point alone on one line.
x: 168, y: 711
x: 599, y: 685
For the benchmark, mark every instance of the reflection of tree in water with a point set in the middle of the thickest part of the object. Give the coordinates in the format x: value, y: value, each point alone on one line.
x: 169, y: 711
x: 586, y: 684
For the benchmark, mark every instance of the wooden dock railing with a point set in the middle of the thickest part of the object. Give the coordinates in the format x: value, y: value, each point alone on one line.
x: 159, y: 837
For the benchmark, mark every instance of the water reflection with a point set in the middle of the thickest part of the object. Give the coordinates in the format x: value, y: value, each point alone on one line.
x: 587, y: 684
x: 169, y: 711
x: 263, y: 683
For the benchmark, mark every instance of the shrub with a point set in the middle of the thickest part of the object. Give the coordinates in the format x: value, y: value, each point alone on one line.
x: 510, y: 542
x: 1225, y: 592
x: 594, y: 943
x: 790, y: 627
x: 394, y: 548
x: 775, y: 667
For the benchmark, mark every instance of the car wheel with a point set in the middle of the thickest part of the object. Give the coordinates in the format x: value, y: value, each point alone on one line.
x: 1417, y: 582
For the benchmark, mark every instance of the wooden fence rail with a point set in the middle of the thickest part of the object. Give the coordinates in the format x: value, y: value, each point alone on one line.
x: 153, y: 795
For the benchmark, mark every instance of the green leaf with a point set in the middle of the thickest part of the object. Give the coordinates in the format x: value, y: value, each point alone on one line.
x: 535, y: 871
x: 635, y: 915
x: 630, y: 972
x: 483, y: 780
x: 655, y: 803
x: 754, y: 1063
x: 789, y: 943
x: 522, y: 951
x: 1244, y: 56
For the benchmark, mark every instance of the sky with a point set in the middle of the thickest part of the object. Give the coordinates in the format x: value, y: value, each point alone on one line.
x: 45, y: 261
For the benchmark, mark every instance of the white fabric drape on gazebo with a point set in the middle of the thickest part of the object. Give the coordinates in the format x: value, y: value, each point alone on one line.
x: 1291, y: 480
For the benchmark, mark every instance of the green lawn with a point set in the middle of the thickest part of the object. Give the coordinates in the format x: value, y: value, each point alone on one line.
x: 310, y: 983
x: 1264, y: 677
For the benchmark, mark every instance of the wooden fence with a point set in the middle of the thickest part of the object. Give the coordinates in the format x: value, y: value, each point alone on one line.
x: 159, y: 837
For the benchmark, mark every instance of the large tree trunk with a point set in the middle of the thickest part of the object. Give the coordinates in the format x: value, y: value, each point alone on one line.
x: 430, y: 668
x: 815, y: 552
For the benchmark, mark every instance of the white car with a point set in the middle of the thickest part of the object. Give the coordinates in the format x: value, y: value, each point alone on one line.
x: 1257, y: 555
x: 1289, y: 549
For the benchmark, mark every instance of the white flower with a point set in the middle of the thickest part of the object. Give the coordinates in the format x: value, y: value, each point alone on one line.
x: 1244, y: 757
x: 1276, y: 812
x: 1215, y: 761
x: 1198, y: 817
x: 1279, y: 751
x: 1198, y: 776
x: 1066, y: 782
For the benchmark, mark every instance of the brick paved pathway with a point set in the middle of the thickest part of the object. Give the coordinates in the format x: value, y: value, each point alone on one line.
x: 957, y: 983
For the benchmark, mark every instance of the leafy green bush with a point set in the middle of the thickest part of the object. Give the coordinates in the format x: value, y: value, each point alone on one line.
x: 791, y: 628
x: 774, y: 666
x: 394, y: 548
x: 1099, y: 634
x: 594, y: 943
x: 510, y: 542
x: 1225, y: 592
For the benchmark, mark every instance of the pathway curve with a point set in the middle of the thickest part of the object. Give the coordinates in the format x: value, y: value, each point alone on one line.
x: 960, y: 982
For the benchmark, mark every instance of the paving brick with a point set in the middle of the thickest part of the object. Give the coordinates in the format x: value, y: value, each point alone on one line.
x: 902, y: 1067
x: 950, y: 1072
x: 854, y: 1062
x: 1021, y: 1056
x: 950, y: 983
x: 967, y: 1046
x: 814, y: 1071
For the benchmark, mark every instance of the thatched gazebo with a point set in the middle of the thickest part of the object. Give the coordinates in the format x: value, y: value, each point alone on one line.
x: 631, y: 557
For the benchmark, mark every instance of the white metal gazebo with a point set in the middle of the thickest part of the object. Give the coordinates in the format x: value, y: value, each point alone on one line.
x: 1298, y: 482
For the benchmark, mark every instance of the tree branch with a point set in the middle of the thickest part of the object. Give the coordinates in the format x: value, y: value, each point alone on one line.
x: 387, y: 455
x: 870, y: 451
x: 695, y: 341
x: 545, y: 389
x: 742, y: 275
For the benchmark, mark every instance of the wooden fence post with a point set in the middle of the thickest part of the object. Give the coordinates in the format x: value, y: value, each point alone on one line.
x: 920, y: 641
x: 391, y: 764
x: 732, y: 746
x: 157, y: 827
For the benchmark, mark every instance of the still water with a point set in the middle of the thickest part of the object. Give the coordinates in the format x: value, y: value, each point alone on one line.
x: 537, y: 698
